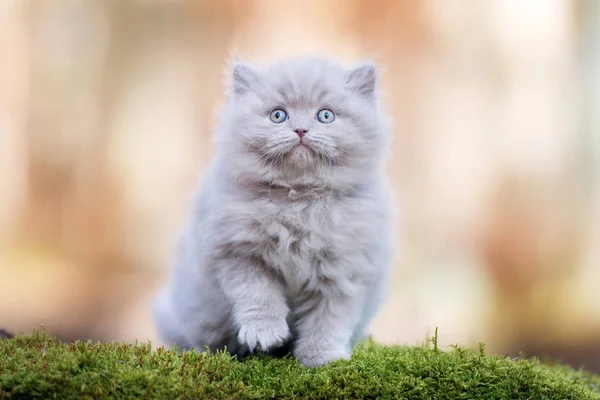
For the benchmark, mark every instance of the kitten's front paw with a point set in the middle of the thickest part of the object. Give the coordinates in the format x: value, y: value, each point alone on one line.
x: 315, y: 357
x: 264, y: 334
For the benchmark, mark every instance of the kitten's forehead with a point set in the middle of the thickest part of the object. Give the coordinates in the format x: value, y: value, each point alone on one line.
x: 303, y: 81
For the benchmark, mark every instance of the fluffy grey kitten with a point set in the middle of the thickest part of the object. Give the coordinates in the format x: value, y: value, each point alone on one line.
x: 289, y: 241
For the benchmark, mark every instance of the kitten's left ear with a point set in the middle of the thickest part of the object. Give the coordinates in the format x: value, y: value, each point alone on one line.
x: 244, y: 77
x: 363, y: 79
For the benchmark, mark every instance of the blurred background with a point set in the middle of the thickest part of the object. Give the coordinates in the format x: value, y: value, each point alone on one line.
x: 106, y: 116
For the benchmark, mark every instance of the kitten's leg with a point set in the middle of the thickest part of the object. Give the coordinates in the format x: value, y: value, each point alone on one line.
x: 325, y: 326
x: 259, y: 304
x: 192, y: 312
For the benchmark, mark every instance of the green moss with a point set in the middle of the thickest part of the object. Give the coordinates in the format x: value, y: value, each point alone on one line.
x: 39, y: 367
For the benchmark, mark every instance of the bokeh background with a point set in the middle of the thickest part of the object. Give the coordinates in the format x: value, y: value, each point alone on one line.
x: 106, y: 116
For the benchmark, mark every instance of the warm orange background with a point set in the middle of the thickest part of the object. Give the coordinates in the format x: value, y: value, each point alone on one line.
x: 106, y: 111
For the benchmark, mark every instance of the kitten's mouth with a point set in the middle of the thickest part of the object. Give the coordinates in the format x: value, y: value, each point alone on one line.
x: 302, y: 155
x: 302, y: 145
x: 303, y: 149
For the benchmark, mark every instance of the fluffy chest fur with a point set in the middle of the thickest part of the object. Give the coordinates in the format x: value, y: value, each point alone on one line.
x: 310, y: 242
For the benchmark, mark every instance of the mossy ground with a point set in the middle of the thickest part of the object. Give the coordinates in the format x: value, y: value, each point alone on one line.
x: 39, y: 367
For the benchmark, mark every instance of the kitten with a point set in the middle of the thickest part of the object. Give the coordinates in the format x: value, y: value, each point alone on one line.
x: 290, y: 238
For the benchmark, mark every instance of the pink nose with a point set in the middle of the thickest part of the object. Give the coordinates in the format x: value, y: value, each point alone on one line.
x: 301, y: 132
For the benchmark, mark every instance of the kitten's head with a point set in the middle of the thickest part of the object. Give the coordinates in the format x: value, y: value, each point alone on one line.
x: 303, y: 120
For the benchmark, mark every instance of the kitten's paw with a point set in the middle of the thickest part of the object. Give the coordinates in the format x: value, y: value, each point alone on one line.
x: 264, y: 334
x: 315, y: 357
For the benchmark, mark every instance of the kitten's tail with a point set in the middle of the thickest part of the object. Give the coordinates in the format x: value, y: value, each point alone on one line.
x: 165, y: 320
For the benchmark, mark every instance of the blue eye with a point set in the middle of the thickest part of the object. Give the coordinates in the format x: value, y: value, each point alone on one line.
x: 278, y: 116
x: 326, y: 116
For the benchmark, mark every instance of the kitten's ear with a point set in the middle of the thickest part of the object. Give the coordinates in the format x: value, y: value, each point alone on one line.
x: 363, y: 79
x: 244, y: 77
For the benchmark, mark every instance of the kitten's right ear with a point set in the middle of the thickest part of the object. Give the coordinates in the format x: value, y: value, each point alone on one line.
x: 244, y: 77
